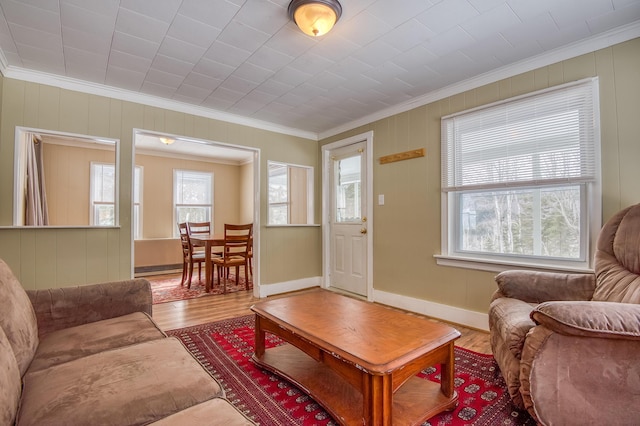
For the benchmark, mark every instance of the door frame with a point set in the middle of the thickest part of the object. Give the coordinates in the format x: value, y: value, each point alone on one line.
x: 255, y: 152
x: 326, y: 206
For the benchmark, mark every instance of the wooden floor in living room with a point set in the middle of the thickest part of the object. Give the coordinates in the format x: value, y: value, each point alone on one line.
x: 185, y: 313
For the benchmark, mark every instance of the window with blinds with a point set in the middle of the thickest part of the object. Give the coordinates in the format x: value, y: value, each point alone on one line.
x: 519, y: 177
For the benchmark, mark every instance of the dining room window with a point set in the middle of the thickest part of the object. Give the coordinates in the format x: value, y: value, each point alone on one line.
x: 103, y: 195
x: 521, y: 179
x: 193, y: 196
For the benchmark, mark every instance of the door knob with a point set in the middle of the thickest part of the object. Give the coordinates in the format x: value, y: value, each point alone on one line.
x: 363, y: 231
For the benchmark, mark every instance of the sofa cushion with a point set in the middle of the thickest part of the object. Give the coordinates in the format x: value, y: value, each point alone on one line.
x: 18, y: 320
x: 615, y: 282
x: 134, y: 385
x: 87, y: 339
x: 509, y: 367
x: 510, y: 319
x: 59, y: 308
x: 217, y: 411
x: 10, y: 379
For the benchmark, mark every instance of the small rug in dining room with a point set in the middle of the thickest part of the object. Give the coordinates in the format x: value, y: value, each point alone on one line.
x: 169, y: 289
x: 225, y: 349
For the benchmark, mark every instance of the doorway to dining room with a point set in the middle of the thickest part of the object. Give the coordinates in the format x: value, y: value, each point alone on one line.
x: 181, y: 179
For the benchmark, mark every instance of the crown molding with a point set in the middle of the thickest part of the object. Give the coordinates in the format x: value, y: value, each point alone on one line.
x: 601, y: 41
x: 39, y: 77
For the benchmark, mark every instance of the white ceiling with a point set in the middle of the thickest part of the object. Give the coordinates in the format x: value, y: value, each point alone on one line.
x: 245, y: 61
x: 193, y: 149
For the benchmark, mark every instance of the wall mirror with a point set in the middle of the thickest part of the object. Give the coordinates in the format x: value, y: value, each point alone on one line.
x: 64, y: 180
x: 290, y: 194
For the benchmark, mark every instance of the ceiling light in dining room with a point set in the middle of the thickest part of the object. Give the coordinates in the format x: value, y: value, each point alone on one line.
x: 167, y: 141
x: 315, y: 17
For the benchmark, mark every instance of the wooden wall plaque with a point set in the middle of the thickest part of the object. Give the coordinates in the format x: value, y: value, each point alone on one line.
x: 402, y: 156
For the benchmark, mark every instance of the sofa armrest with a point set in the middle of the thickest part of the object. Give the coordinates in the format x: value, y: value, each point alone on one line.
x: 608, y: 320
x: 60, y: 308
x: 566, y: 379
x: 538, y: 287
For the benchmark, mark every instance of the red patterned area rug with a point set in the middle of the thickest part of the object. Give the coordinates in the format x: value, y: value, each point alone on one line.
x: 169, y: 289
x: 225, y: 348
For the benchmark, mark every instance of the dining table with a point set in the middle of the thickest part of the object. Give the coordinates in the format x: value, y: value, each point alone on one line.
x: 208, y: 241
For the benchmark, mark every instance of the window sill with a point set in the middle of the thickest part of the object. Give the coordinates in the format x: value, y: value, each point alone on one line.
x: 501, y: 265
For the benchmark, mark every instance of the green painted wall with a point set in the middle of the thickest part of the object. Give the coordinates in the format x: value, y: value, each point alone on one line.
x: 407, y: 228
x: 59, y: 257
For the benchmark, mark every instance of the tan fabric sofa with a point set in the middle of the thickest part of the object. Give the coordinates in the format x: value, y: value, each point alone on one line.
x: 93, y: 355
x: 568, y: 345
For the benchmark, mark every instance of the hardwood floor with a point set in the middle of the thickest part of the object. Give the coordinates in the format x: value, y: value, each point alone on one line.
x: 185, y: 313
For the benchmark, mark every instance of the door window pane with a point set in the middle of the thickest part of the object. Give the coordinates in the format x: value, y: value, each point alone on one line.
x: 348, y: 189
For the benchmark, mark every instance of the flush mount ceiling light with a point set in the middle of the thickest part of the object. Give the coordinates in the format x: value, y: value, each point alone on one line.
x: 315, y: 17
x: 167, y: 141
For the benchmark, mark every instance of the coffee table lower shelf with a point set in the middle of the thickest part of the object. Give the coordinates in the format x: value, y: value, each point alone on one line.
x: 414, y: 402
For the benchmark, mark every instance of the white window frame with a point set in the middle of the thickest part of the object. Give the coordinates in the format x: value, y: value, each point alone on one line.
x: 138, y: 187
x: 93, y: 202
x: 291, y: 186
x: 176, y: 205
x: 590, y: 213
x: 285, y: 203
x: 137, y: 221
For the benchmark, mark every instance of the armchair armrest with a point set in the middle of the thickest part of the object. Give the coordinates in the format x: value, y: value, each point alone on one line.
x: 60, y: 308
x: 608, y: 320
x: 538, y: 287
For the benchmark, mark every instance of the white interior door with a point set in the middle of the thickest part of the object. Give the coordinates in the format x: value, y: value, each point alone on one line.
x: 348, y: 219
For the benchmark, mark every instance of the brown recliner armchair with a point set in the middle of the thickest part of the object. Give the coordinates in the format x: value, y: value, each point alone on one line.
x: 568, y: 345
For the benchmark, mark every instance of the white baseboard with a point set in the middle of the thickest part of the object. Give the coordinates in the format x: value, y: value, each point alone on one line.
x: 267, y: 290
x: 156, y: 272
x: 452, y: 314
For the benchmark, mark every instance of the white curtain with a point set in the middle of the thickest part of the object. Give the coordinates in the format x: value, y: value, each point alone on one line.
x: 36, y: 212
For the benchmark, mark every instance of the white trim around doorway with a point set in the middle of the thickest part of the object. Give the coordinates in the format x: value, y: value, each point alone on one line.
x: 326, y: 206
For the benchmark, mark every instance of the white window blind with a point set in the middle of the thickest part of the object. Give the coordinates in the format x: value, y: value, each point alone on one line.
x: 192, y: 196
x: 192, y: 188
x: 545, y: 138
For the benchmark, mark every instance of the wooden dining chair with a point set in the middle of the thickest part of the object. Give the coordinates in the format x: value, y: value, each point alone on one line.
x: 250, y: 259
x: 189, y: 257
x: 202, y: 228
x: 235, y: 253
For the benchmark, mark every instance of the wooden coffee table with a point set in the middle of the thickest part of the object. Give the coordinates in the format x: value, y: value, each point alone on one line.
x: 359, y: 360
